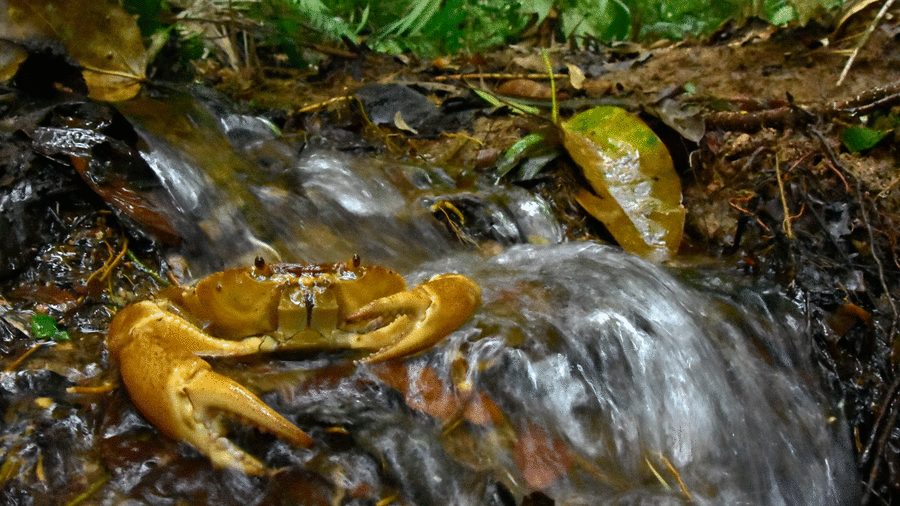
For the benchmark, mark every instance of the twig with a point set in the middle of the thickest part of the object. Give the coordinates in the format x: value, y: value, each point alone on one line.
x: 832, y: 167
x: 103, y: 272
x: 864, y: 39
x: 656, y: 473
x: 92, y: 489
x: 890, y: 397
x: 388, y: 500
x: 321, y: 105
x: 153, y: 274
x: 881, y: 440
x: 877, y: 98
x: 786, y: 223
x: 878, y: 441
x: 479, y: 75
x: 677, y: 475
x: 731, y: 202
x: 751, y: 121
x: 103, y: 388
x: 17, y: 362
x: 549, y: 67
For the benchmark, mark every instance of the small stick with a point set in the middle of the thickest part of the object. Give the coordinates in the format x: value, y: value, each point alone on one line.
x: 478, y: 75
x: 865, y: 38
x: 153, y: 274
x: 17, y: 362
x: 656, y: 473
x: 786, y: 223
x: 674, y: 472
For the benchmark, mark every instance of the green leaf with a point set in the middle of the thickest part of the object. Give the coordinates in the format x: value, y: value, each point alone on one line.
x: 535, y: 163
x: 44, y: 327
x: 416, y: 18
x: 516, y: 105
x: 540, y: 7
x: 783, y: 15
x: 148, y: 14
x: 636, y: 192
x: 517, y: 152
x: 859, y: 138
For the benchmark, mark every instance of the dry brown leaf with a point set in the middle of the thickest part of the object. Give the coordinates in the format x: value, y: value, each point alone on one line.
x: 576, y: 76
x: 101, y: 36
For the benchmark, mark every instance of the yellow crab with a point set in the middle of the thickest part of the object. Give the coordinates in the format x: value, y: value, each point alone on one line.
x: 159, y: 345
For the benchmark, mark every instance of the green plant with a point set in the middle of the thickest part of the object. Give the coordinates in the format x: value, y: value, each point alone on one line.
x: 437, y: 27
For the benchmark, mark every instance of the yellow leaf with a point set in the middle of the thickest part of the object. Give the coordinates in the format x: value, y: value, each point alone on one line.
x: 636, y: 192
x: 400, y: 123
x: 576, y: 76
x: 101, y: 36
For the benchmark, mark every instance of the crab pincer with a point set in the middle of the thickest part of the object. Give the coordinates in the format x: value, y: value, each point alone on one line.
x: 178, y: 391
x: 418, y: 318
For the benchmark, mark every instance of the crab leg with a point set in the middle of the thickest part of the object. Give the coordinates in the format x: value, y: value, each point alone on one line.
x: 147, y: 321
x: 421, y: 317
x: 179, y: 393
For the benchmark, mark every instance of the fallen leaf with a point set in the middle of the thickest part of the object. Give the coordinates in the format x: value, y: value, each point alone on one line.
x: 401, y: 124
x: 576, y: 76
x: 636, y: 191
x: 516, y: 106
x: 525, y: 88
x: 101, y: 36
x: 860, y: 138
x: 542, y: 458
x: 421, y: 387
x: 119, y: 195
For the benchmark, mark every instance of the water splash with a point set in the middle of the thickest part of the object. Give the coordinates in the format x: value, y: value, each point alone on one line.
x: 594, y: 377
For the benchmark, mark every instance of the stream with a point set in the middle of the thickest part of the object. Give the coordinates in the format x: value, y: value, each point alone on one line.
x: 587, y: 376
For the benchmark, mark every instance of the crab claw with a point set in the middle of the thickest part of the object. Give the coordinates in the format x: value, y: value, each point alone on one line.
x: 421, y: 317
x: 179, y: 393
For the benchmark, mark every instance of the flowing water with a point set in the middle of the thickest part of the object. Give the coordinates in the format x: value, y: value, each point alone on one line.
x: 587, y: 375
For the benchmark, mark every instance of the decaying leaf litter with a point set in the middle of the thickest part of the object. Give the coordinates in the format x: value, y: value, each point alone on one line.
x: 787, y: 177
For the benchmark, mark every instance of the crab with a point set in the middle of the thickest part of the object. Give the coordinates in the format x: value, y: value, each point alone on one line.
x: 160, y: 345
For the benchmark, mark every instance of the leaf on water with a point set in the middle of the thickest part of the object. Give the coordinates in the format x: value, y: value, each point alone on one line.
x: 636, y: 192
x: 141, y: 206
x: 44, y: 327
x: 541, y: 457
x: 101, y: 36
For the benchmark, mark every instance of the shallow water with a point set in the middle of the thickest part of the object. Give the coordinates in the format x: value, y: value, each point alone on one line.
x: 605, y: 370
x: 587, y: 374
